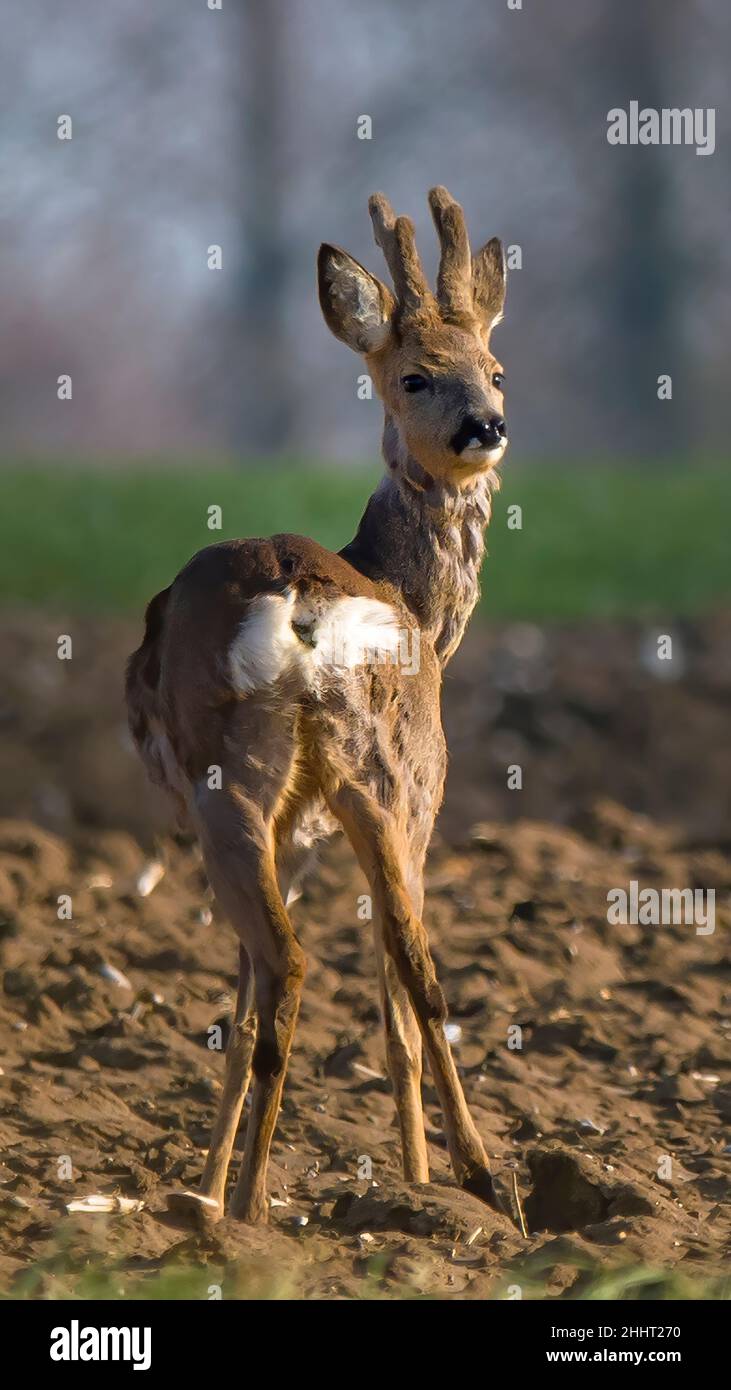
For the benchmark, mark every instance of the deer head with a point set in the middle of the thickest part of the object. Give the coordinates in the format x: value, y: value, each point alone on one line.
x: 428, y: 355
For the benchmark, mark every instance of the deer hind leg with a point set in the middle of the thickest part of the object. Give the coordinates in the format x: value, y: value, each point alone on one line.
x: 384, y: 859
x: 278, y: 984
x: 235, y: 1085
x: 404, y: 1055
x: 403, y: 1040
x: 238, y: 849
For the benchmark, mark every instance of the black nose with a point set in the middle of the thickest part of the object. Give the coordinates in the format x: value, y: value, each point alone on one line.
x: 493, y: 430
x: 490, y: 432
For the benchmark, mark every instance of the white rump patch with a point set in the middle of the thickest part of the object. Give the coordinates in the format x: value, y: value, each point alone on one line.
x: 265, y: 644
x: 357, y: 632
x: 283, y: 632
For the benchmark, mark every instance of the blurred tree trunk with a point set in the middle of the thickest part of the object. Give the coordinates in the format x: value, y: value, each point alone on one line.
x: 260, y: 405
x: 639, y: 56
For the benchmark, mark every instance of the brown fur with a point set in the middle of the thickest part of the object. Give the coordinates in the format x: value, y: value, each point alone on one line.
x: 362, y: 749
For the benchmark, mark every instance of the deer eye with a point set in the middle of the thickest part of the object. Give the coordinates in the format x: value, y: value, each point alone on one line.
x: 414, y: 382
x: 498, y: 380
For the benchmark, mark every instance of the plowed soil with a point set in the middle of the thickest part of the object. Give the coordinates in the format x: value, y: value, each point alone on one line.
x: 595, y: 1056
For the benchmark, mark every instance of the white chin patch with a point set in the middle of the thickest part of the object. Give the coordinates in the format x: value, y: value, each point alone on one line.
x: 285, y: 633
x: 476, y: 450
x: 477, y: 446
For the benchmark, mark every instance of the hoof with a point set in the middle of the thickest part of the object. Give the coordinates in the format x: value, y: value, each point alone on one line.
x: 195, y: 1207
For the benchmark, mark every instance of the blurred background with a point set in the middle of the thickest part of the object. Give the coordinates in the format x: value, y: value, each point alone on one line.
x: 239, y: 128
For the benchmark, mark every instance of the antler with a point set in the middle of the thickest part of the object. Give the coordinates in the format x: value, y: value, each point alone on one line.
x: 454, y: 280
x: 395, y: 236
x: 461, y: 292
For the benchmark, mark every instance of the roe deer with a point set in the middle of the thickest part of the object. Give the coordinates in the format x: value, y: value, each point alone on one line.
x: 312, y: 680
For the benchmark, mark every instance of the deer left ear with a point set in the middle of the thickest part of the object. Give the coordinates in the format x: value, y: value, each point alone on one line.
x: 356, y: 307
x: 489, y: 275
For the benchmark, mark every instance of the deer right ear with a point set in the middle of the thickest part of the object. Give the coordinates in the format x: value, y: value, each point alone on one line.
x: 357, y: 308
x: 488, y: 282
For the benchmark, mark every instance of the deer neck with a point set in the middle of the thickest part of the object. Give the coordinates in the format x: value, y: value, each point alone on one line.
x: 427, y: 538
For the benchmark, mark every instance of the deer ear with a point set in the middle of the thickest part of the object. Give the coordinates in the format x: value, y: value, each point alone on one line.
x: 357, y: 308
x: 488, y: 283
